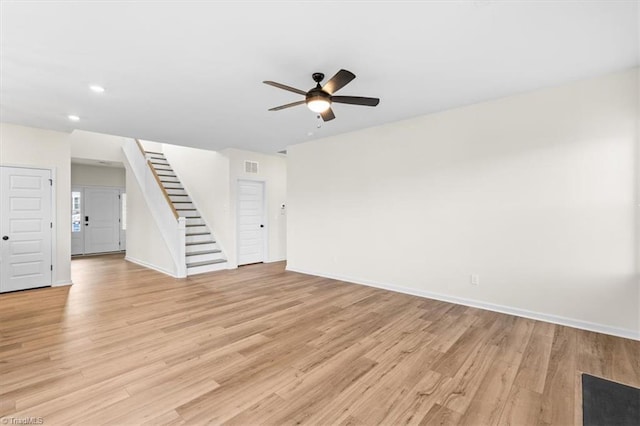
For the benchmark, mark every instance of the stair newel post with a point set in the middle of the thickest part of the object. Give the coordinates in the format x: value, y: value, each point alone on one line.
x: 182, y: 230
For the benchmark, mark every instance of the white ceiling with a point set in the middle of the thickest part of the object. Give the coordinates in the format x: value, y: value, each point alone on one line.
x: 191, y: 73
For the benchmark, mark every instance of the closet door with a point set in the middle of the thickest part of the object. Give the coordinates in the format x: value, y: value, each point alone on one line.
x: 25, y: 228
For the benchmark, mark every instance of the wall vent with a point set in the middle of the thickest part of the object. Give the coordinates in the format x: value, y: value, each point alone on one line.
x: 251, y: 167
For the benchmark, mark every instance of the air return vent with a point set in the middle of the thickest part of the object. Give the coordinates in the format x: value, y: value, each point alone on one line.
x: 251, y: 167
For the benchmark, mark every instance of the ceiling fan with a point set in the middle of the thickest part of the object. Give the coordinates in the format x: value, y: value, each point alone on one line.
x: 319, y: 98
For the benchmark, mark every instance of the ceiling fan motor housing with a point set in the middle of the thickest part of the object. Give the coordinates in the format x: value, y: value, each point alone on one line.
x: 319, y: 98
x: 317, y: 94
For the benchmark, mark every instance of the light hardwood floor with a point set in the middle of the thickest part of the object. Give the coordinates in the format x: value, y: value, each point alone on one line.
x: 259, y: 345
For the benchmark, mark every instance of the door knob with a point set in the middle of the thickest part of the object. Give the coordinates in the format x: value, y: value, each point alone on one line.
x: 6, y: 237
x: 261, y: 226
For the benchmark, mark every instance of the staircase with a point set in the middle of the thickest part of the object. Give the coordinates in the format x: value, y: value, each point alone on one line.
x: 202, y: 253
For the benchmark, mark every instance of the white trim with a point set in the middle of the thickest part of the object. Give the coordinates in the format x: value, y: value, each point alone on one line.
x: 554, y: 319
x: 54, y: 228
x: 61, y: 283
x: 151, y: 266
x: 282, y: 259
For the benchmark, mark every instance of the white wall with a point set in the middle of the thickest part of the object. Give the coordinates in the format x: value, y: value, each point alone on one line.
x: 25, y: 146
x: 536, y: 193
x: 205, y: 176
x: 145, y: 244
x: 273, y: 171
x: 83, y: 174
x: 211, y: 179
x: 96, y: 146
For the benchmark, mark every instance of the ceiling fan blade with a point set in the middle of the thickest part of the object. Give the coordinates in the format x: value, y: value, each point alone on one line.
x: 355, y: 100
x: 285, y: 87
x: 292, y: 104
x: 338, y: 81
x: 327, y: 115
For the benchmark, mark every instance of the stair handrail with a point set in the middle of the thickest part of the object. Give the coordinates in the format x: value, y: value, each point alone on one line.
x: 164, y: 190
x: 155, y: 175
x: 141, y: 148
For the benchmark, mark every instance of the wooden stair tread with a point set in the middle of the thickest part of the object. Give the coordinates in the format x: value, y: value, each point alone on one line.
x: 198, y: 233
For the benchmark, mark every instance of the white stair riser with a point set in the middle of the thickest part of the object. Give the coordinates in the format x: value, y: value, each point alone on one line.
x: 169, y: 179
x: 197, y: 229
x: 172, y: 185
x: 184, y: 206
x: 199, y: 238
x: 203, y: 257
x: 179, y: 197
x: 207, y: 268
x: 201, y: 247
x: 176, y: 192
x: 194, y: 221
x: 188, y: 213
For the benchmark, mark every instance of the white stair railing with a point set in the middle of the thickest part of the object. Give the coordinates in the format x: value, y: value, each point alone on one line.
x: 171, y: 225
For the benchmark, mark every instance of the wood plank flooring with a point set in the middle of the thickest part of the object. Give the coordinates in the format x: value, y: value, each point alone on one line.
x: 259, y: 345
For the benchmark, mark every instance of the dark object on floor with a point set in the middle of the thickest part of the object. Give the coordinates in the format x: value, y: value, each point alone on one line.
x: 609, y: 403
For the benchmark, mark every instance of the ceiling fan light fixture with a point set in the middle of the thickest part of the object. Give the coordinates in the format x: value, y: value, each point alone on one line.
x: 318, y: 104
x: 320, y: 98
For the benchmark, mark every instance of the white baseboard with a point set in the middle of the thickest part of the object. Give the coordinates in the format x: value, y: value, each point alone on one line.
x: 275, y: 260
x: 554, y: 319
x: 62, y: 283
x: 150, y: 266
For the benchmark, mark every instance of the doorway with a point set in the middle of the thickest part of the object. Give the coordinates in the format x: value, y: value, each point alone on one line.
x: 26, y: 226
x: 251, y: 222
x: 98, y: 222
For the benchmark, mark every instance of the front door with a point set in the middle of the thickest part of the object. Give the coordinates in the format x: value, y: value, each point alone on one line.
x: 77, y: 221
x: 251, y: 224
x: 26, y: 228
x: 101, y: 220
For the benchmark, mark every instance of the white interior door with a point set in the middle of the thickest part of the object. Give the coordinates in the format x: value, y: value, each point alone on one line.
x: 101, y: 220
x: 26, y: 228
x: 251, y: 224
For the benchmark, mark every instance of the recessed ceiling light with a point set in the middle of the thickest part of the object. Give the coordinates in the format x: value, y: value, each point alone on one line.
x: 97, y: 89
x: 73, y: 117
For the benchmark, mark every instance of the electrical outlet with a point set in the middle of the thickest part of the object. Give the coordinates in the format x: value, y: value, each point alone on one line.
x: 475, y: 279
